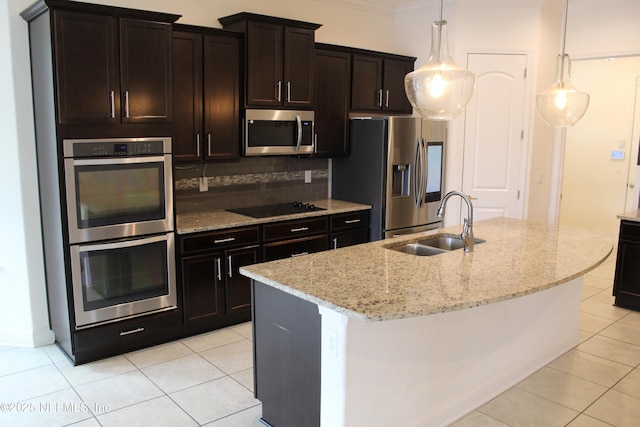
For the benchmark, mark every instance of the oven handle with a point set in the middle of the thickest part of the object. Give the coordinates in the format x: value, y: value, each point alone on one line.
x: 122, y: 244
x: 119, y: 160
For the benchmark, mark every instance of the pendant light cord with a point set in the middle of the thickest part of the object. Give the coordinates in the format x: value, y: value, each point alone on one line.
x: 564, y: 40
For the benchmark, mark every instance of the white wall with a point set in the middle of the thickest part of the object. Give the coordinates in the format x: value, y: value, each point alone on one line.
x: 23, y: 305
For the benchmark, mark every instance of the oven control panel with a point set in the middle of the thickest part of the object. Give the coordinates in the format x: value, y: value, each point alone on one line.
x: 117, y: 147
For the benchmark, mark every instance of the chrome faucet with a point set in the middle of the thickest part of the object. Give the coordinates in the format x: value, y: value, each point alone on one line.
x: 467, y: 228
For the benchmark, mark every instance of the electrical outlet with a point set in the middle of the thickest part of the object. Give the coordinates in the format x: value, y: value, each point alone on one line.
x: 332, y: 342
x: 307, y: 177
x: 204, y: 184
x: 539, y: 177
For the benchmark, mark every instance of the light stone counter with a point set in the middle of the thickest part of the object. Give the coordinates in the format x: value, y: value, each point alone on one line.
x: 630, y: 216
x: 218, y: 220
x: 370, y: 283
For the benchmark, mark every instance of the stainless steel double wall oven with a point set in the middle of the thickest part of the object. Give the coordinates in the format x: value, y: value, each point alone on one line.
x: 119, y: 200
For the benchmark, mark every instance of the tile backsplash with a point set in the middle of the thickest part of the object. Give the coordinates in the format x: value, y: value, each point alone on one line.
x: 251, y: 181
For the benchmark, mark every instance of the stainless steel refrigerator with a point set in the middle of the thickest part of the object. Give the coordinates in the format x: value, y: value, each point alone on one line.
x: 395, y: 164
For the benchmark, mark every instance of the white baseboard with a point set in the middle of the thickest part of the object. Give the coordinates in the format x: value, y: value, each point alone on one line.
x: 26, y: 338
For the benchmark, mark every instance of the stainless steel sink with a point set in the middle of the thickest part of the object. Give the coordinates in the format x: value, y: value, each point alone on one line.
x: 417, y: 249
x: 448, y: 242
x: 433, y: 245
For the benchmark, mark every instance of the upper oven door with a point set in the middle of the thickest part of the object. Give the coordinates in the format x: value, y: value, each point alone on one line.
x: 110, y: 198
x: 278, y: 132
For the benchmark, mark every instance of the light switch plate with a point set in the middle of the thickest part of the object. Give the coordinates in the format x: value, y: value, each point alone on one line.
x: 307, y: 177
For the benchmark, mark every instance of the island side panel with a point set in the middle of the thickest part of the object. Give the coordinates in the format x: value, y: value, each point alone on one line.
x: 286, y: 349
x: 431, y: 370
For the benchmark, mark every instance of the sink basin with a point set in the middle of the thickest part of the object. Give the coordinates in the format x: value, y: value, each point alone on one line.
x: 448, y: 242
x: 432, y: 245
x: 417, y: 249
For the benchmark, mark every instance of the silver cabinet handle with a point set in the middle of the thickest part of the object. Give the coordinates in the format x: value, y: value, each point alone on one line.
x: 226, y: 240
x: 300, y: 254
x: 279, y: 85
x: 288, y: 91
x: 230, y: 272
x: 352, y: 221
x: 219, y: 268
x: 379, y: 97
x: 197, y: 145
x: 209, y: 144
x: 295, y: 230
x: 386, y: 101
x: 133, y: 331
x: 299, y: 123
x: 335, y: 243
x: 126, y: 104
x: 112, y: 96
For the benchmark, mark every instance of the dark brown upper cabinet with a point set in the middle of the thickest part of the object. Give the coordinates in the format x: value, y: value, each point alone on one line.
x: 207, y: 80
x: 333, y: 89
x: 378, y: 83
x: 111, y: 68
x: 279, y: 60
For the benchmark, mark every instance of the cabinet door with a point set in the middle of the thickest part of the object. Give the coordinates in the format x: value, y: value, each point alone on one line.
x: 145, y: 71
x: 298, y: 89
x: 333, y: 88
x: 86, y: 68
x: 264, y: 64
x: 238, y: 287
x: 366, y: 86
x: 203, y: 287
x: 187, y: 96
x: 222, y: 79
x: 395, y: 98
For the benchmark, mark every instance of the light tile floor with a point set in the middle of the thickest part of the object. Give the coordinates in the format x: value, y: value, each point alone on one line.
x: 207, y: 380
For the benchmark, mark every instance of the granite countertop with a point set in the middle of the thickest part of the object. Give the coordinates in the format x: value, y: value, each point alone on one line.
x: 630, y: 216
x: 371, y: 283
x: 221, y: 219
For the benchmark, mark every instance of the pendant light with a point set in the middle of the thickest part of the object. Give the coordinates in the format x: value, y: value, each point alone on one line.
x: 439, y: 90
x: 562, y: 105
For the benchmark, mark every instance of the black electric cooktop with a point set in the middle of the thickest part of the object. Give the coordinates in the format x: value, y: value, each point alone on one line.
x: 276, y: 210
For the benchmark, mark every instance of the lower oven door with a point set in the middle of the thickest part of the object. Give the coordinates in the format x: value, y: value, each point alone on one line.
x: 120, y: 279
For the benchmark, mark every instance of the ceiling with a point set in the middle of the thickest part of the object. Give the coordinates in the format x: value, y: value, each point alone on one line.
x: 394, y: 7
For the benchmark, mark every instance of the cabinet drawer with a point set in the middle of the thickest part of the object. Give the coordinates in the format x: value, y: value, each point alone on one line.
x: 288, y: 229
x: 349, y: 220
x: 296, y: 247
x: 127, y: 334
x: 220, y: 239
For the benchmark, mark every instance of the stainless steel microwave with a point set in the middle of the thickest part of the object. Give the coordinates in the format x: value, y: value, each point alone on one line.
x: 278, y: 132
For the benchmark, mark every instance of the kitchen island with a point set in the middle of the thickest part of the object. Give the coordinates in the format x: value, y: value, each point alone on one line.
x: 367, y: 335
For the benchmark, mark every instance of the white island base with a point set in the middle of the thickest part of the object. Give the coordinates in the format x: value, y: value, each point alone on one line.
x: 432, y: 370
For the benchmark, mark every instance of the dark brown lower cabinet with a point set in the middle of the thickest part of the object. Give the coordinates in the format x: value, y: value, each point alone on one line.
x: 287, y: 347
x: 626, y: 285
x: 214, y: 292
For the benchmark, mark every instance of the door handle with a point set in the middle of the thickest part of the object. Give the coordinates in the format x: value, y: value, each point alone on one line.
x: 219, y: 268
x: 230, y: 272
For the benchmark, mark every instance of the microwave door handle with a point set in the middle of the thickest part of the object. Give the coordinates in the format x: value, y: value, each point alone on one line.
x: 299, y: 132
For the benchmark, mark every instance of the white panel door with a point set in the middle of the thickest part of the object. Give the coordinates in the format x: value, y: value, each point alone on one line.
x: 494, y: 163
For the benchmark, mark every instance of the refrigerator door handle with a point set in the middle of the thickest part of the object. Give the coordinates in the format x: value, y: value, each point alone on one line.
x: 418, y: 177
x: 423, y: 195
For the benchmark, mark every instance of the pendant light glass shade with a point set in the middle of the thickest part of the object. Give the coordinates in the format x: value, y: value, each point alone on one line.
x: 562, y: 104
x: 439, y: 90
